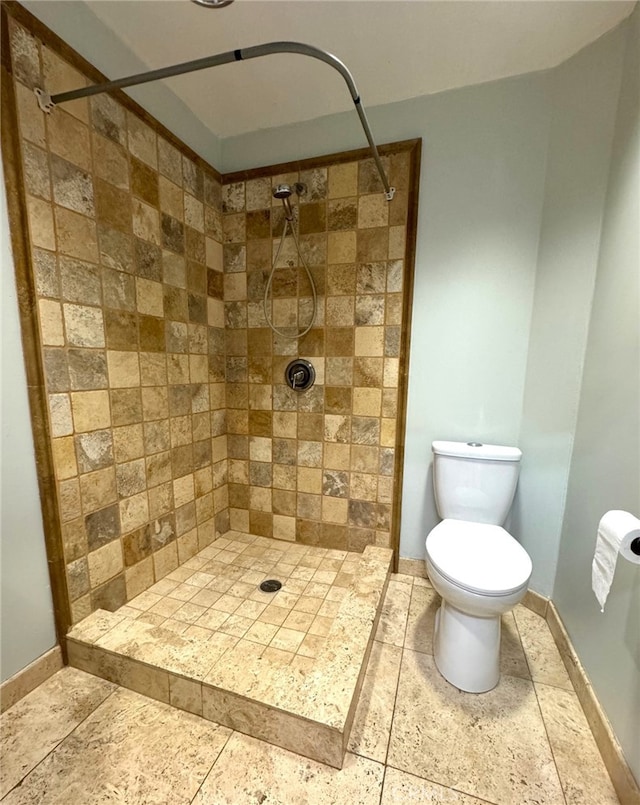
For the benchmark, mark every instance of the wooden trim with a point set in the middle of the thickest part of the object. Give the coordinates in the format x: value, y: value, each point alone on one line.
x: 28, y: 679
x: 624, y: 782
x: 415, y: 152
x: 321, y: 161
x: 66, y: 52
x: 27, y: 304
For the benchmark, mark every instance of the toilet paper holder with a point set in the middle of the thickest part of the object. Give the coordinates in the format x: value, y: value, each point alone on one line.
x: 635, y: 546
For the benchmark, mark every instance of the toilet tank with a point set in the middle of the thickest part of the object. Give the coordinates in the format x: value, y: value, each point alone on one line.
x: 475, y: 482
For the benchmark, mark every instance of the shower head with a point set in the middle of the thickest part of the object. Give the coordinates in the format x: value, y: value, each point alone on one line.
x: 283, y: 191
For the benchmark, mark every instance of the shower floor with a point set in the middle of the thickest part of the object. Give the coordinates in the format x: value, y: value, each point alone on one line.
x: 285, y: 667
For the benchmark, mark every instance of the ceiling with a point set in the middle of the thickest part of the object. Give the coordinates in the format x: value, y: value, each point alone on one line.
x: 395, y: 49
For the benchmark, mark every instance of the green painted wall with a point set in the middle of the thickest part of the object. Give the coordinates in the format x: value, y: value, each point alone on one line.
x: 583, y: 97
x: 605, y: 466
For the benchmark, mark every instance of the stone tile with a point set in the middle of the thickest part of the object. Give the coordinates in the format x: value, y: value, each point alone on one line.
x: 121, y: 329
x: 72, y: 186
x: 343, y: 180
x: 97, y: 490
x: 84, y: 325
x: 144, y: 182
x: 116, y: 252
x: 36, y: 171
x: 400, y: 787
x: 41, y: 226
x: 76, y: 235
x: 102, y: 526
x: 582, y: 773
x: 69, y: 138
x: 169, y: 161
x: 110, y: 161
x: 249, y: 770
x: 452, y: 738
x: 34, y: 726
x: 80, y: 282
x: 372, y: 724
x: 46, y: 275
x: 111, y: 596
x: 142, y: 140
x: 395, y: 612
x: 543, y: 657
x: 156, y: 754
x: 126, y: 406
x: 109, y: 118
x: 105, y: 563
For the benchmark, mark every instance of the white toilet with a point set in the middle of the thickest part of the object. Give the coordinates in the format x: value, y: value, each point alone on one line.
x: 478, y: 568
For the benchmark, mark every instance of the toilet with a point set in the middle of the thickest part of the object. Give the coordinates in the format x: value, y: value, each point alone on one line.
x: 477, y: 567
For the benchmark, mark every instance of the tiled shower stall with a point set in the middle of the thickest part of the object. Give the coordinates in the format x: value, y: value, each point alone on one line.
x: 167, y: 418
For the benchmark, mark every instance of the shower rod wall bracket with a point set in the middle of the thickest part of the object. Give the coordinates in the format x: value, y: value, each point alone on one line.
x: 44, y: 100
x: 47, y: 102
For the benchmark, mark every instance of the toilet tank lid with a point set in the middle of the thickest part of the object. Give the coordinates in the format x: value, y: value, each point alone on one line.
x: 485, y: 452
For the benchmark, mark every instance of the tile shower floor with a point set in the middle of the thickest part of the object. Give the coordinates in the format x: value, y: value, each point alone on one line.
x: 284, y: 666
x: 415, y: 739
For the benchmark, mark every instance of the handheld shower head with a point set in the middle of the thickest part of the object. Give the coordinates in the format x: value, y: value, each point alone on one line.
x: 283, y: 191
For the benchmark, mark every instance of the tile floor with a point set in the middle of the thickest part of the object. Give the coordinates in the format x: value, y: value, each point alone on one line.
x: 217, y: 592
x: 80, y: 739
x: 285, y: 666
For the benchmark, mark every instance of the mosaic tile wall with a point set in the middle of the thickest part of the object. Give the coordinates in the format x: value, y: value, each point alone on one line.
x: 316, y: 466
x: 125, y: 241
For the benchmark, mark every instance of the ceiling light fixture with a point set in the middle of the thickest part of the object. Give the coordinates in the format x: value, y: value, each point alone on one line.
x: 213, y: 3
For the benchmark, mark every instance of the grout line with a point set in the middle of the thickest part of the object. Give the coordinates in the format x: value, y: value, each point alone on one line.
x: 224, y: 746
x: 546, y: 732
x: 441, y: 785
x: 524, y: 650
x: 382, y: 782
x: 395, y: 698
x: 70, y: 733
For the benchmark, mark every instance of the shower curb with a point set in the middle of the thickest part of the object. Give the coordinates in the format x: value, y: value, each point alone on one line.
x: 309, y: 713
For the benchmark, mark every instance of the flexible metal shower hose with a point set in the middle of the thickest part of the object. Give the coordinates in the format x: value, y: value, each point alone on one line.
x: 265, y: 300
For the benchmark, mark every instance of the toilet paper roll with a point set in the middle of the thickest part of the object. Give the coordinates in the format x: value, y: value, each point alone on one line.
x: 618, y: 534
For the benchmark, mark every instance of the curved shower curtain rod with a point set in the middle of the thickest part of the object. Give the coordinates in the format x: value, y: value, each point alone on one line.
x: 47, y: 102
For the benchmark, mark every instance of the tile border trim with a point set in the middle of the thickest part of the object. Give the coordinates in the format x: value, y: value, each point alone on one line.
x: 615, y: 762
x: 30, y: 677
x: 412, y: 567
x: 30, y: 336
x: 536, y: 603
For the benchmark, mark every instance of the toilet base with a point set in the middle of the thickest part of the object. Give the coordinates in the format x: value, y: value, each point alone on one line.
x: 466, y: 649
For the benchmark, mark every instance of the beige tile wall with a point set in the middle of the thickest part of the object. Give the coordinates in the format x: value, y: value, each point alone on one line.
x: 167, y: 409
x: 316, y: 466
x: 125, y: 238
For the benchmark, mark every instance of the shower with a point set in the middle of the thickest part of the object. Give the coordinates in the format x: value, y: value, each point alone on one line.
x: 284, y: 192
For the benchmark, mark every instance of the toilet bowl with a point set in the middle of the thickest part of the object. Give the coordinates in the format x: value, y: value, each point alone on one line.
x: 480, y: 571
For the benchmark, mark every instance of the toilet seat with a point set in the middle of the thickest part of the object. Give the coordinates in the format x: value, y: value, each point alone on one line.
x: 484, y: 559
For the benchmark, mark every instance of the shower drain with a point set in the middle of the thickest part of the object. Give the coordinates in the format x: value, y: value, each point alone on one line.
x: 270, y: 586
